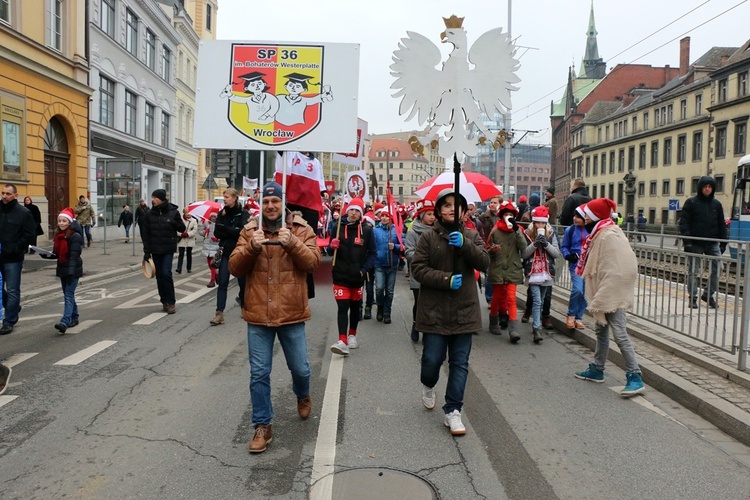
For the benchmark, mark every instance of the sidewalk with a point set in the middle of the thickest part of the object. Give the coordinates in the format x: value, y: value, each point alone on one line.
x: 702, y: 378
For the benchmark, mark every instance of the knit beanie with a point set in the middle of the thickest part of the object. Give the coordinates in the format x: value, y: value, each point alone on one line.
x: 160, y: 193
x: 272, y: 189
x: 600, y: 208
x: 424, y: 206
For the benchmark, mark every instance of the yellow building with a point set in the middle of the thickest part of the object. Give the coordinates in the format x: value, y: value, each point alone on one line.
x: 44, y: 100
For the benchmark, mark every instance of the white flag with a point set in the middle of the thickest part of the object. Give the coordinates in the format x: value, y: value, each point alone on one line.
x: 249, y: 185
x: 356, y: 185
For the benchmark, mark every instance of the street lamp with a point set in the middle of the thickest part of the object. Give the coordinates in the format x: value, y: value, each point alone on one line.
x: 515, y: 173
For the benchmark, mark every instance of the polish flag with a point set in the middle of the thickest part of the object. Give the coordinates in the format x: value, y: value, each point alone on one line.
x: 304, y: 179
x: 398, y: 224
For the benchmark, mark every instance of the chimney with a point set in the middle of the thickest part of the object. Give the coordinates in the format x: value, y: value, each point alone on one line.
x: 684, y: 55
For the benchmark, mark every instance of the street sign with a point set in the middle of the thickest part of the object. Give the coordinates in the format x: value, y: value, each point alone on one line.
x: 674, y: 204
x: 209, y: 183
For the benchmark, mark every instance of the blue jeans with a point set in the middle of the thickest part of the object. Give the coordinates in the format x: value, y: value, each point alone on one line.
x: 617, y: 323
x: 260, y: 340
x: 70, y: 312
x: 87, y: 231
x: 458, y: 348
x: 127, y: 231
x: 11, y: 272
x: 163, y: 274
x: 538, y: 294
x: 577, y: 304
x: 696, y: 263
x: 370, y: 289
x: 222, y: 279
x: 487, y: 288
x: 385, y: 282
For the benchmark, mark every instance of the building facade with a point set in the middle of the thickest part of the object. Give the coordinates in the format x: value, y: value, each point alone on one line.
x: 133, y: 47
x: 44, y: 98
x: 394, y: 160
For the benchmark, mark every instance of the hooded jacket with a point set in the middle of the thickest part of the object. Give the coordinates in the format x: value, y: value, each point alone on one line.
x: 84, y: 212
x: 441, y: 310
x: 17, y: 231
x: 703, y: 216
x: 355, y: 256
x: 410, y: 242
x: 74, y: 266
x: 383, y: 235
x: 159, y: 228
x: 276, y: 276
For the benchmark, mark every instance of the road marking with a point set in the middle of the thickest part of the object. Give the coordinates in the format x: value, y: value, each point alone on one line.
x: 325, y: 448
x: 151, y: 318
x: 41, y: 316
x: 85, y: 354
x: 4, y: 400
x: 650, y: 406
x: 83, y: 325
x: 17, y: 359
x: 195, y: 295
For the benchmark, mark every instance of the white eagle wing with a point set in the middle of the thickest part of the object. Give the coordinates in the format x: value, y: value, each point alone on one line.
x: 493, y: 76
x: 418, y: 82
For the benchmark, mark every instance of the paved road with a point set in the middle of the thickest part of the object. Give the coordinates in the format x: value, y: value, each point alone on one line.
x: 163, y: 412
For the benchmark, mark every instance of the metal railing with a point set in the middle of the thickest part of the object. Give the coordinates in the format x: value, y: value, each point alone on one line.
x: 662, y: 294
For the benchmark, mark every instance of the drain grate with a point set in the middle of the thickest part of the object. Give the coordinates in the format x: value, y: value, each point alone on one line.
x: 379, y: 483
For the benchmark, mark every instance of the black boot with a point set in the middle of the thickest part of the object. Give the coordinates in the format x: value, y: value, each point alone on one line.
x: 414, y: 333
x: 503, y: 321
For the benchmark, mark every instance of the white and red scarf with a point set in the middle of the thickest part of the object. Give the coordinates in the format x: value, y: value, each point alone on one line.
x: 585, y: 248
x: 540, y: 264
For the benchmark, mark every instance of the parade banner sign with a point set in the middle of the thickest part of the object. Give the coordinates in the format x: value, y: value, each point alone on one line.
x: 355, y: 159
x: 277, y: 96
x: 356, y: 185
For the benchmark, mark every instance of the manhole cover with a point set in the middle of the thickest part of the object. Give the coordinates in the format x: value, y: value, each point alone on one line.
x: 378, y: 483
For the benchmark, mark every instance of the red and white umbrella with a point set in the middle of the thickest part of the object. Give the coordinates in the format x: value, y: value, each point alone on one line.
x: 473, y: 186
x: 204, y: 209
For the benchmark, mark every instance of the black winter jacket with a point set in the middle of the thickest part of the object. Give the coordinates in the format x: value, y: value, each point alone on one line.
x: 703, y: 216
x: 355, y: 256
x: 578, y: 197
x: 159, y: 228
x: 74, y: 266
x: 126, y: 218
x: 229, y: 224
x: 17, y: 231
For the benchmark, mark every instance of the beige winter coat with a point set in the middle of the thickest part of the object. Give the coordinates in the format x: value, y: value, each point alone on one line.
x: 610, y: 273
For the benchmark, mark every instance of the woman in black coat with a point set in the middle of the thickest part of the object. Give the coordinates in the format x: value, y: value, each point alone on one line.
x: 37, y: 216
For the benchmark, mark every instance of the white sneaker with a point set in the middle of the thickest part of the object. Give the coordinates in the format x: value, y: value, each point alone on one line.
x: 340, y: 348
x: 453, y: 420
x: 352, y: 340
x: 428, y: 397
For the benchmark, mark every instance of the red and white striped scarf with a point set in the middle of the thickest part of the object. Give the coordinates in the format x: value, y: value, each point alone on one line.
x: 585, y: 248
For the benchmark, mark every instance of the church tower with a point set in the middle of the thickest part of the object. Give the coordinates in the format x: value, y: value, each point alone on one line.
x: 592, y: 66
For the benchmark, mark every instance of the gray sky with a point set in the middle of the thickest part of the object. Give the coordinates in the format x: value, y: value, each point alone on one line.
x: 554, y: 29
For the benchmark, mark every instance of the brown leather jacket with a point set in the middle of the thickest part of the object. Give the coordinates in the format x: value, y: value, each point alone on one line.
x: 276, y: 276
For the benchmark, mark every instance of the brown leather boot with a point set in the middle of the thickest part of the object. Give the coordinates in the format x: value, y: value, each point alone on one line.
x: 262, y: 438
x: 218, y: 319
x: 304, y: 407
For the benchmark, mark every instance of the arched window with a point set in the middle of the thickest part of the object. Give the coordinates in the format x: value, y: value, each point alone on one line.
x: 55, y: 138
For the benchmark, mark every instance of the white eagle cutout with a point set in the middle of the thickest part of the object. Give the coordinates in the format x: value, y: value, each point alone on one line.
x: 453, y: 98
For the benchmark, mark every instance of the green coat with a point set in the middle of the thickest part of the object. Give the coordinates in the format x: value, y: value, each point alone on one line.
x: 506, y: 266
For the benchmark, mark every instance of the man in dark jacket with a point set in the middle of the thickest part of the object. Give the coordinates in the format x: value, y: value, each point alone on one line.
x: 159, y: 229
x: 577, y: 197
x: 354, y: 257
x: 703, y: 217
x: 17, y: 230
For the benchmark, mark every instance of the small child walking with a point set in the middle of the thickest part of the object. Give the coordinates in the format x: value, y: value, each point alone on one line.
x: 571, y: 246
x: 67, y: 248
x: 505, y: 243
x: 540, y: 257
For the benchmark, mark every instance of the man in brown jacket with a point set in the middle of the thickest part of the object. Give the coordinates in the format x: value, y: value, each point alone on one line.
x: 275, y: 260
x: 551, y: 204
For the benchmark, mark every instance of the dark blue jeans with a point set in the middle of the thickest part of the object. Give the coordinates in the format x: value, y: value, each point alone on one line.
x: 11, y: 272
x: 434, y: 350
x: 70, y: 312
x: 87, y: 231
x: 164, y: 281
x: 385, y: 283
x: 223, y: 281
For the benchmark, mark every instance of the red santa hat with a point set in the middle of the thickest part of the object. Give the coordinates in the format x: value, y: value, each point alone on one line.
x: 508, y: 206
x: 378, y: 207
x: 369, y: 217
x: 540, y: 214
x: 580, y: 210
x: 356, y: 204
x: 68, y: 214
x: 424, y: 206
x: 600, y: 208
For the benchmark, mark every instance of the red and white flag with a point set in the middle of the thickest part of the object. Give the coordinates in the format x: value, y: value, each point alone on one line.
x: 398, y: 224
x: 304, y: 179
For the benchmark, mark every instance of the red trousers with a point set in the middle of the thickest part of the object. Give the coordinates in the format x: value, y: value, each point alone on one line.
x: 504, y: 300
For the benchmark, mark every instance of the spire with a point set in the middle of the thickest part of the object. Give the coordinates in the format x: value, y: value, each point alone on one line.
x: 592, y: 66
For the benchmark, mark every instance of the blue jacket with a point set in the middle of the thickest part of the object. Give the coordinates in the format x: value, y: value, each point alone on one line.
x: 572, y: 241
x: 382, y: 236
